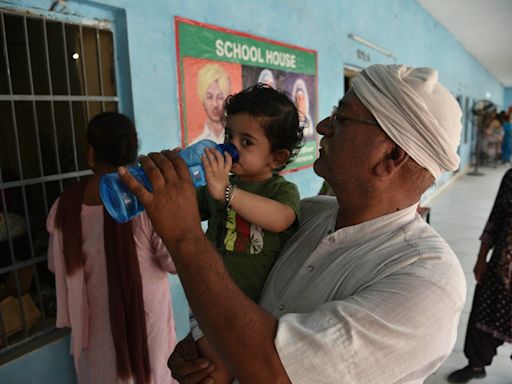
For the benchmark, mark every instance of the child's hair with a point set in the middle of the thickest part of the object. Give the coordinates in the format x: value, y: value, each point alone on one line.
x: 279, y: 116
x: 113, y: 137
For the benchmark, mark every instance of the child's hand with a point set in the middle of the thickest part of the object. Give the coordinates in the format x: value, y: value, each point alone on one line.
x: 216, y: 169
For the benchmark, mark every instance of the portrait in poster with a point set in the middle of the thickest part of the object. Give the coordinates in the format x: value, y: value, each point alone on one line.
x: 214, y: 62
x: 266, y: 77
x: 299, y: 87
x: 207, y: 84
x: 213, y: 86
x: 301, y: 96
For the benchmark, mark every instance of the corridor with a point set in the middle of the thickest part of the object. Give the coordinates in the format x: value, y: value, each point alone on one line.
x: 459, y: 213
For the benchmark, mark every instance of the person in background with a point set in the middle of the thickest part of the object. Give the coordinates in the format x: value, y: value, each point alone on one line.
x: 213, y: 86
x: 111, y: 279
x: 490, y: 320
x: 506, y: 145
x: 492, y: 137
x: 365, y: 291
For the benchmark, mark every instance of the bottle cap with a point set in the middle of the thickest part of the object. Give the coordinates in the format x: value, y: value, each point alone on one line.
x: 231, y: 149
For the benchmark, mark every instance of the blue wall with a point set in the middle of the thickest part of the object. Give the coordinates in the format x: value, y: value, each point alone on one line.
x: 49, y: 365
x: 507, y: 100
x: 146, y: 51
x: 145, y: 29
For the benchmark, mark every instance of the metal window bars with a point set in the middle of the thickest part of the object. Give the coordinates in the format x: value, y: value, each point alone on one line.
x: 54, y: 76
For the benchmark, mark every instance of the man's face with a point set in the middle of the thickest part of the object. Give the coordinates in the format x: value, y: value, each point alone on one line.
x: 347, y: 150
x: 213, y: 101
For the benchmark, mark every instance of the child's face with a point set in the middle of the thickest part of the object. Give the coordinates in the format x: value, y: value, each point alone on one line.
x: 248, y: 135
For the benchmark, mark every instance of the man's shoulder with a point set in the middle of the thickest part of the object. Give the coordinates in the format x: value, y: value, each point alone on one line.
x: 316, y: 214
x: 319, y: 202
x: 317, y: 205
x: 423, y: 236
x: 433, y: 258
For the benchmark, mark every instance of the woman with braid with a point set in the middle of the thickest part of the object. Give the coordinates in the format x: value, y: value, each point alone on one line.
x: 111, y: 278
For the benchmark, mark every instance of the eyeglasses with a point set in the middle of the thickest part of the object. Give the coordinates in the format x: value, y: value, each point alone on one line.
x: 341, y: 118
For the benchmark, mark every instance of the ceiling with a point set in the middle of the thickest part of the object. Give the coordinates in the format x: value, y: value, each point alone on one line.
x: 483, y: 27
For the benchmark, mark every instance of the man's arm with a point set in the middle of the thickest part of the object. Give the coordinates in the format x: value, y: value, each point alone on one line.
x: 239, y: 330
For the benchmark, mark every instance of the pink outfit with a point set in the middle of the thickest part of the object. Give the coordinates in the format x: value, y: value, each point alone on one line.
x: 82, y: 300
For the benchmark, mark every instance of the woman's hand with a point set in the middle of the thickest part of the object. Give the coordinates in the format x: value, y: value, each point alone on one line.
x: 217, y: 168
x: 480, y: 270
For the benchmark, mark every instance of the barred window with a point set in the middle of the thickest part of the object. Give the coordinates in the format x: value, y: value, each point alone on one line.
x: 54, y: 76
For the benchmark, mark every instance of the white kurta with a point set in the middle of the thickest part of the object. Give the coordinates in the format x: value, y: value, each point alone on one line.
x: 378, y: 302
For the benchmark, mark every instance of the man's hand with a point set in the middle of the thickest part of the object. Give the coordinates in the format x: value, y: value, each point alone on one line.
x: 172, y: 206
x: 216, y: 169
x: 187, y: 367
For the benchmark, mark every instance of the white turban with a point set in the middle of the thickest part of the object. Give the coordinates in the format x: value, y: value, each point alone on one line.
x: 416, y: 111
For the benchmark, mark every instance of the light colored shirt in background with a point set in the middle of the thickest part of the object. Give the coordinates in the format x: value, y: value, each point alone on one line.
x: 82, y: 299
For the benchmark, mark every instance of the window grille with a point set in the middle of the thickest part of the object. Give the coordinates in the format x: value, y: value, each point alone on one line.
x: 54, y: 76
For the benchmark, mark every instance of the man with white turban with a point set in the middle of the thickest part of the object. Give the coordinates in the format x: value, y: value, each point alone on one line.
x: 365, y: 291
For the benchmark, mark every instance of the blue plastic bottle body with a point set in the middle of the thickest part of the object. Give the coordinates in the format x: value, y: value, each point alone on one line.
x: 123, y: 205
x: 192, y: 156
x: 118, y: 200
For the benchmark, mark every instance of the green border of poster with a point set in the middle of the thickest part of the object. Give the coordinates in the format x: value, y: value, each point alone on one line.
x: 199, y: 40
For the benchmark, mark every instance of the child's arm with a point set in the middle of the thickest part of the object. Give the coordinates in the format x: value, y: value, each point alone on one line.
x: 220, y: 375
x: 269, y: 214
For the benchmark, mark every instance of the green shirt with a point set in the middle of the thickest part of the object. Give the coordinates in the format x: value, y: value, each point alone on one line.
x: 248, y: 251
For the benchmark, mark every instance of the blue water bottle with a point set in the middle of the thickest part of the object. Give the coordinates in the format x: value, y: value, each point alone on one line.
x: 123, y: 205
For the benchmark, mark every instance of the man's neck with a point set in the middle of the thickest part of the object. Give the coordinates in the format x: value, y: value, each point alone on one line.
x: 346, y: 218
x: 352, y: 214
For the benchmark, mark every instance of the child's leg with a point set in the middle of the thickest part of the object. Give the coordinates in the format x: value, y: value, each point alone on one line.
x: 221, y: 375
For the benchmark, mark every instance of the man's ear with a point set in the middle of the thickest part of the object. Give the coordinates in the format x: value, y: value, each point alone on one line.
x: 394, y: 158
x: 279, y: 158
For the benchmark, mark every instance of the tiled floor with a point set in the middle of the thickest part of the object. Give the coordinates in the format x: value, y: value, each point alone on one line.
x: 459, y: 213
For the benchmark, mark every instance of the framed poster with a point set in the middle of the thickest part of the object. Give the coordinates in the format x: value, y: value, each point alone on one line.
x: 214, y: 62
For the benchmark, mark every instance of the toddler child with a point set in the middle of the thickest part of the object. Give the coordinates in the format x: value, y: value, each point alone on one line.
x: 251, y: 212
